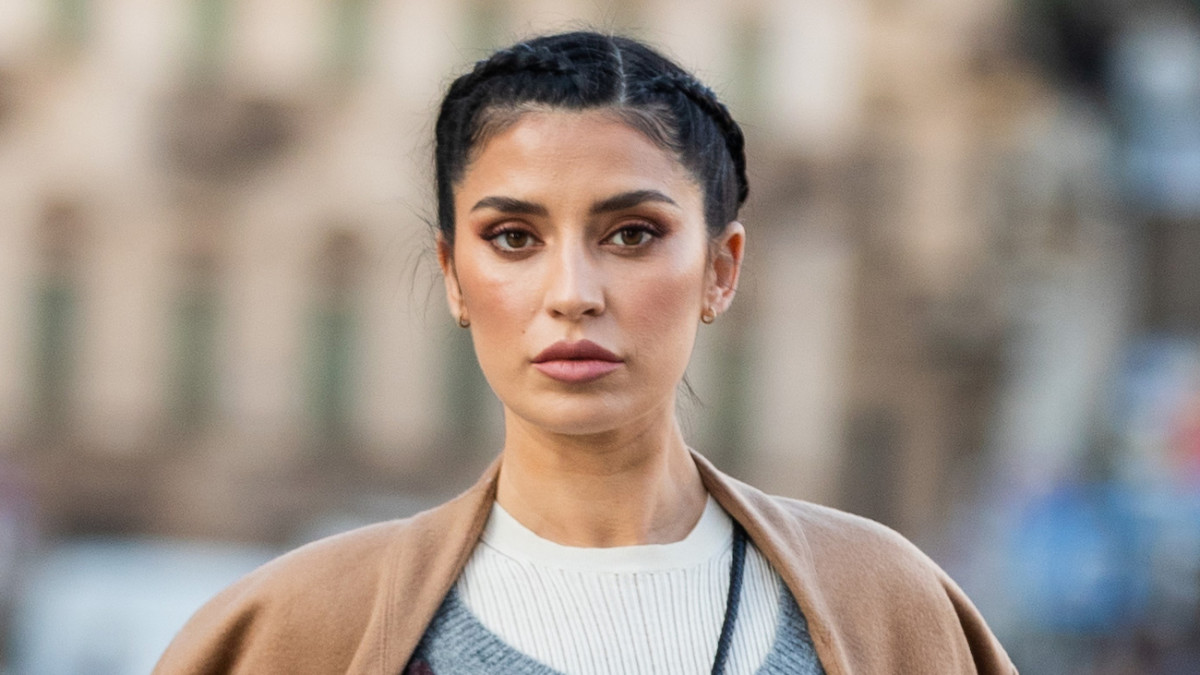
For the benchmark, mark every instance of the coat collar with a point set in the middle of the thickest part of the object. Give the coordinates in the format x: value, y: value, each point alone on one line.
x: 441, y: 540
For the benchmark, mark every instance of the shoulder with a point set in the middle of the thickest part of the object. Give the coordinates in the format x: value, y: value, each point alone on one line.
x: 351, y: 563
x: 809, y: 533
x: 847, y: 556
x: 860, y: 544
x: 831, y: 541
x: 321, y: 595
x: 352, y: 603
x: 868, y: 578
x: 873, y: 601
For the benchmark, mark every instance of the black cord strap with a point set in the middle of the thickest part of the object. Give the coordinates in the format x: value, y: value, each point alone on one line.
x: 736, y: 569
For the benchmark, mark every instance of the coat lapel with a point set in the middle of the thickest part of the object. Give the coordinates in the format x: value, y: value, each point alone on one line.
x: 428, y: 556
x: 432, y: 552
x: 780, y: 537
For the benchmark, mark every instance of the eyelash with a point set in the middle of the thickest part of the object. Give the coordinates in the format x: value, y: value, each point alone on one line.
x: 493, y: 236
x: 496, y: 235
x: 652, y: 231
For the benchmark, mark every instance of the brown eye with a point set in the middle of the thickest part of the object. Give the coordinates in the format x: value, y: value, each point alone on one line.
x: 512, y: 240
x: 630, y: 236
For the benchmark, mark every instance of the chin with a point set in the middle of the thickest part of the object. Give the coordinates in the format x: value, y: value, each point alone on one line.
x: 576, y: 415
x: 573, y: 420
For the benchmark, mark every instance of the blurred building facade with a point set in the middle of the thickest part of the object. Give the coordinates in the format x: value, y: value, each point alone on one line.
x: 220, y: 313
x: 220, y: 316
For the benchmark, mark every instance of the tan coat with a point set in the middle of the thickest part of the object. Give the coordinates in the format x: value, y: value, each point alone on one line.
x: 359, y: 602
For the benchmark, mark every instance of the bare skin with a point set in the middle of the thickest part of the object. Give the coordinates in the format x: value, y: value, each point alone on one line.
x: 620, y: 490
x: 573, y: 228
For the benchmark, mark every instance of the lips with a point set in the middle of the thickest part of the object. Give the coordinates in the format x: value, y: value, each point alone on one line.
x: 576, y: 362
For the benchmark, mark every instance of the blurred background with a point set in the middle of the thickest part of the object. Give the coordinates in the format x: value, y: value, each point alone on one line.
x: 971, y: 308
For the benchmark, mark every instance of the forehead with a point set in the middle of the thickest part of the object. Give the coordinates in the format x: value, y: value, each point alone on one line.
x: 594, y: 149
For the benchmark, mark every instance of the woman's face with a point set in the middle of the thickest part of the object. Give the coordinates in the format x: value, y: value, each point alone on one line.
x: 582, y: 261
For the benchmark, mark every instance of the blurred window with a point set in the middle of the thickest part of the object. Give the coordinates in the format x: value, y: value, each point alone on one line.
x: 486, y: 25
x: 351, y: 23
x: 210, y: 34
x: 56, y: 310
x: 334, y: 338
x: 196, y: 321
x: 873, y: 463
x: 747, y: 61
x: 56, y: 314
x: 72, y: 21
x: 727, y: 414
x: 467, y: 392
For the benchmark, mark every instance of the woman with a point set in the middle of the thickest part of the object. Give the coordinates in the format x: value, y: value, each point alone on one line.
x: 588, y: 192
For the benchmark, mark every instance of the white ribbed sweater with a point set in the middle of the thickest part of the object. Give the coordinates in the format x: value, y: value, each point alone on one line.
x: 632, y: 609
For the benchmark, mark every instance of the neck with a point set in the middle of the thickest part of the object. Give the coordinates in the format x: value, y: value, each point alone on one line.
x: 621, y: 488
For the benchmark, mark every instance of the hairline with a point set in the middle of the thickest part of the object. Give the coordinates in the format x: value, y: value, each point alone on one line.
x: 645, y: 119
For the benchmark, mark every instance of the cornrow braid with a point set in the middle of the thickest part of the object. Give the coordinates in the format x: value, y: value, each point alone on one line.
x: 587, y: 70
x: 524, y: 57
x: 469, y: 93
x: 705, y: 99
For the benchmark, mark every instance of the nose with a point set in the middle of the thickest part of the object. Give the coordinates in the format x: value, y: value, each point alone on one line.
x: 574, y: 284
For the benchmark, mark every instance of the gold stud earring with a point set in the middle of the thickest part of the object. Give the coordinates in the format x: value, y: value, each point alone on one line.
x: 708, y: 315
x: 463, y: 321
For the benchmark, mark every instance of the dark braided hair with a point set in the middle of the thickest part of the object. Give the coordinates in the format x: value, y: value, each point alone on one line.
x: 585, y: 70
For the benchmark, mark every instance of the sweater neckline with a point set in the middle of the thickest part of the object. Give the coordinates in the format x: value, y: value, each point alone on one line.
x: 710, y: 537
x: 456, y: 639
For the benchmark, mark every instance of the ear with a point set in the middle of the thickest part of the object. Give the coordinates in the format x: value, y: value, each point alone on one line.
x: 454, y: 297
x: 725, y: 264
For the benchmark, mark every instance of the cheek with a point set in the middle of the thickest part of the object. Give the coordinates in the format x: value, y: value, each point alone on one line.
x: 498, y: 301
x: 665, y: 308
x: 502, y: 306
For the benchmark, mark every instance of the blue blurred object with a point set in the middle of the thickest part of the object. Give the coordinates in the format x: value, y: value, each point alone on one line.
x: 1076, y: 554
x: 110, y: 607
x: 1157, y: 95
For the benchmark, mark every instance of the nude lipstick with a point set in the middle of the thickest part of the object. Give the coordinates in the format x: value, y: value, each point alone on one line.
x: 576, y: 362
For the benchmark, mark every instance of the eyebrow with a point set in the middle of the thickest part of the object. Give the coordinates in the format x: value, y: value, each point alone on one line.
x: 628, y: 200
x: 510, y: 205
x: 619, y: 202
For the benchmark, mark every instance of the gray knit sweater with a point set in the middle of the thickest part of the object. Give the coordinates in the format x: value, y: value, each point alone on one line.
x: 456, y: 643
